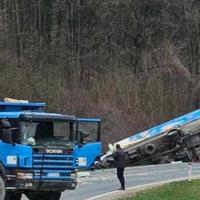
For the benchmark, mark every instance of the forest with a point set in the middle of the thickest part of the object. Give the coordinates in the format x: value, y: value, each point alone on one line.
x: 133, y: 63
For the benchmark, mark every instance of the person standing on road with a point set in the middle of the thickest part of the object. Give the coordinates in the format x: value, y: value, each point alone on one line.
x: 119, y: 158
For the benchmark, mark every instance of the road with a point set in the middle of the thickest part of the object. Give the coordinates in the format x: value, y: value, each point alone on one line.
x: 104, y: 181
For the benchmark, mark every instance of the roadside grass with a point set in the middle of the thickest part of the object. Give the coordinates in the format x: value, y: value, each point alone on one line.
x: 183, y: 190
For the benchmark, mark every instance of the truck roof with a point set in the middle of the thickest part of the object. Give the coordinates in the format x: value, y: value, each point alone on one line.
x: 46, y: 116
x: 14, y: 109
x: 36, y: 115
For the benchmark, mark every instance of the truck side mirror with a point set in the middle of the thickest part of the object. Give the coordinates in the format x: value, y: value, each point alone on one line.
x: 82, y: 135
x: 6, y: 135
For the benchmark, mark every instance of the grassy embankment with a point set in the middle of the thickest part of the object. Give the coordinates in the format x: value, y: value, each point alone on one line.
x: 175, y: 191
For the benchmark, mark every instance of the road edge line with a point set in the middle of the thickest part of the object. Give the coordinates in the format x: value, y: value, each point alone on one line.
x: 142, y: 187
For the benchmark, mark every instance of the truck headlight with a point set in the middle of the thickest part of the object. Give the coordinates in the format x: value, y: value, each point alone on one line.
x: 24, y: 176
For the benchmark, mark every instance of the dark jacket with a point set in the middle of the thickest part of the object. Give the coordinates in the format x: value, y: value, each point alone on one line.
x: 119, y: 157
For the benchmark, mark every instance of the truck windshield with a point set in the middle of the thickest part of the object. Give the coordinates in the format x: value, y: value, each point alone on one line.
x: 46, y: 133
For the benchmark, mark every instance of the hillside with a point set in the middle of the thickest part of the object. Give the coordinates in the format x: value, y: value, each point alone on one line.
x: 134, y: 63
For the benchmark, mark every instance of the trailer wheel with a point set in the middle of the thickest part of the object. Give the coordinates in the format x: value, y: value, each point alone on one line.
x: 13, y: 196
x: 2, y: 189
x: 43, y: 195
x: 150, y: 148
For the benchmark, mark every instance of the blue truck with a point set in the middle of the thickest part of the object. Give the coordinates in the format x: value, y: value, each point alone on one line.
x: 37, y: 152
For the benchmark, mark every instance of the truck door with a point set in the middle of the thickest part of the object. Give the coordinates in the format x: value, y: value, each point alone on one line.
x: 88, y: 135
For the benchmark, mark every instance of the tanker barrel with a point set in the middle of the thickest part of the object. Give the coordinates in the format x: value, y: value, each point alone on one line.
x: 159, y: 129
x: 131, y: 143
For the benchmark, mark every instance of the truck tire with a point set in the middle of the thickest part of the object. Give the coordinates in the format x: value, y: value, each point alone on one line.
x: 150, y: 148
x: 2, y: 189
x: 43, y: 195
x: 13, y: 196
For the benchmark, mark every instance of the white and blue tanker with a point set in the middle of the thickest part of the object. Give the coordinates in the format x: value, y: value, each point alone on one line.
x: 177, y: 139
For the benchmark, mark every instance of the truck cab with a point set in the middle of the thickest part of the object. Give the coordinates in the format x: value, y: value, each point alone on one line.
x: 36, y: 152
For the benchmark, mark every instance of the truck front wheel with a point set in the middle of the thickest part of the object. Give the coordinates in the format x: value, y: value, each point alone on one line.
x: 2, y: 189
x: 43, y: 195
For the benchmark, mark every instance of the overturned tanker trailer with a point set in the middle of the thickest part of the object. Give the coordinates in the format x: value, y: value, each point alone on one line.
x: 174, y: 140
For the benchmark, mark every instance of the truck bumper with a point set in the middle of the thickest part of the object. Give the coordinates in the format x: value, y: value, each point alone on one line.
x: 37, y: 185
x: 13, y: 183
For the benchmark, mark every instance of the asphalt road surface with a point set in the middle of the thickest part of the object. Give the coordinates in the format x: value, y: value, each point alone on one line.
x: 101, y: 182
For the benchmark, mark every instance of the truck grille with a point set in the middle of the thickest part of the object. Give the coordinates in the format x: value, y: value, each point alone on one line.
x: 52, y: 166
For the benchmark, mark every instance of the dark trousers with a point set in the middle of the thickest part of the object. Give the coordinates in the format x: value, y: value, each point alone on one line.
x: 120, y: 176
